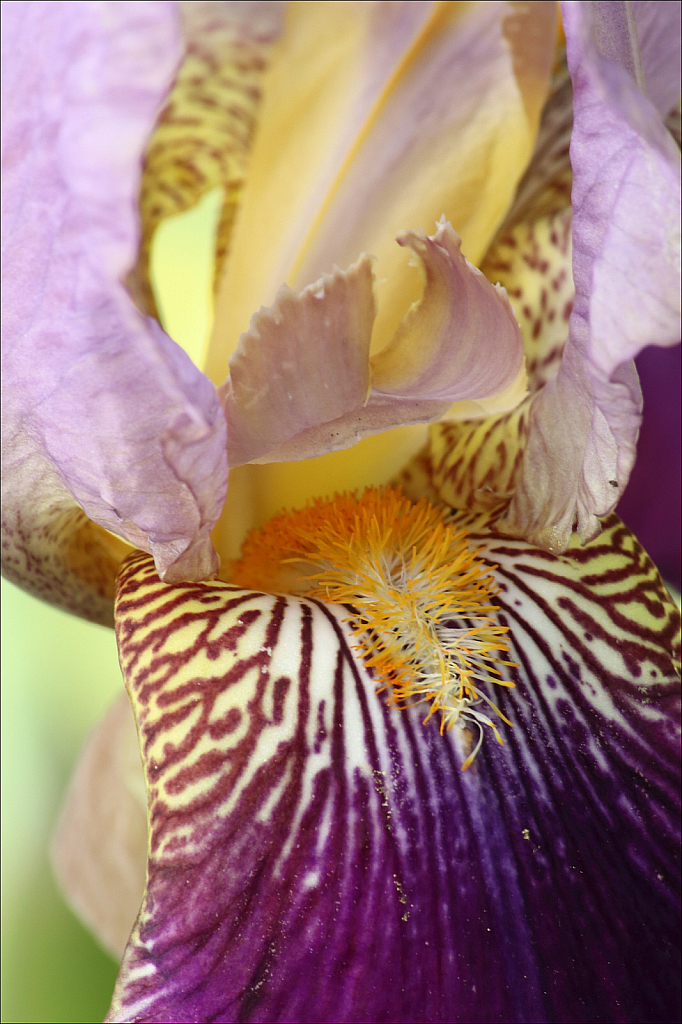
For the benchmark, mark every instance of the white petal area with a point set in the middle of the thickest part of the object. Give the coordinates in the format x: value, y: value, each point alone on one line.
x: 302, y: 383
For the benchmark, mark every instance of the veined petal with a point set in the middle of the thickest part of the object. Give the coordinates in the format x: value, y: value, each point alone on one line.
x: 302, y: 383
x: 101, y: 409
x: 626, y: 267
x: 379, y: 118
x: 317, y: 855
x: 643, y: 37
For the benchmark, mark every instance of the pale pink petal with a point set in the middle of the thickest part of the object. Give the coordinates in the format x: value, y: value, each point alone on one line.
x: 461, y: 341
x: 99, y: 850
x: 302, y: 383
x: 303, y: 362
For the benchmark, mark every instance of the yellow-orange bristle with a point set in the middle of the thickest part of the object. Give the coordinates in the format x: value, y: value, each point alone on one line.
x: 407, y: 574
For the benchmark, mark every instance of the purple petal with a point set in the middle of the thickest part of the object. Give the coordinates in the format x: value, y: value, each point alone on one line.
x: 626, y: 267
x: 101, y: 406
x: 658, y: 35
x: 317, y: 856
x: 643, y: 37
x: 651, y: 503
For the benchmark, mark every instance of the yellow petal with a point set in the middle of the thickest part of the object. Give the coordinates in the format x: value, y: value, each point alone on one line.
x: 379, y: 118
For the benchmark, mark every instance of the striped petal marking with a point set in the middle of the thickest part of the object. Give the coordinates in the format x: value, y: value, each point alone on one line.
x: 317, y: 854
x: 216, y: 96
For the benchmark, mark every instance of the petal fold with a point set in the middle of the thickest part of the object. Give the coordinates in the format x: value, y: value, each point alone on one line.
x: 626, y: 267
x: 461, y: 341
x: 318, y: 856
x: 101, y: 409
x: 302, y: 382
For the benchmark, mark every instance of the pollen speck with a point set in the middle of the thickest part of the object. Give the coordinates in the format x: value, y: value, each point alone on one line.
x: 420, y: 600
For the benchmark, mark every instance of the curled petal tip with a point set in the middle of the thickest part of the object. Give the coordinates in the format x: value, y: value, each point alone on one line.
x: 303, y: 383
x: 461, y: 341
x: 199, y: 561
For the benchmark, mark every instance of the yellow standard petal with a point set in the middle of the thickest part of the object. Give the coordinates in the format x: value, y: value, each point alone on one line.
x: 379, y: 118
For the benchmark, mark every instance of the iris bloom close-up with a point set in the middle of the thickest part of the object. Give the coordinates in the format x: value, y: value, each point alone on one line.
x: 403, y: 685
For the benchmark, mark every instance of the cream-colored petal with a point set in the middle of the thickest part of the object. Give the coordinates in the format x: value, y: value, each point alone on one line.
x: 379, y: 118
x: 49, y: 546
x: 533, y: 263
x: 545, y: 188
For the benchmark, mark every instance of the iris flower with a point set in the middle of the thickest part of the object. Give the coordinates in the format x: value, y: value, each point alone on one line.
x: 409, y: 747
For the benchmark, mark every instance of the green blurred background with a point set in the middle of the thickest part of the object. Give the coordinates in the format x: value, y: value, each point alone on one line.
x: 59, y: 676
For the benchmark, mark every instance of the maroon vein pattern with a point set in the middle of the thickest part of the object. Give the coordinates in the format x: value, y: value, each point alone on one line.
x: 316, y: 856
